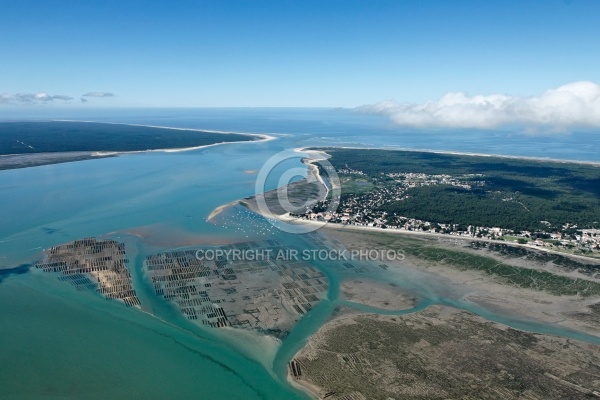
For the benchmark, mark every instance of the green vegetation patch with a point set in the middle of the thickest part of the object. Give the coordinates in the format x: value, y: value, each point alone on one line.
x: 518, y: 276
x: 517, y: 194
x: 352, y: 184
x: 58, y: 136
x: 564, y: 262
x: 435, y: 354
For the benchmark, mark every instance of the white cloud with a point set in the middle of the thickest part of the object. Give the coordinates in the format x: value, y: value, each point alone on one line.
x: 574, y: 105
x: 98, y: 94
x: 31, y: 98
x: 43, y: 98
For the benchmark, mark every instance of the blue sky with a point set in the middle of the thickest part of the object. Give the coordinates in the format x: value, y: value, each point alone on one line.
x: 291, y: 53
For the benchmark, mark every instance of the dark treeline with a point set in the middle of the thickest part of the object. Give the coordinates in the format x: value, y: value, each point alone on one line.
x: 56, y: 136
x: 518, y: 194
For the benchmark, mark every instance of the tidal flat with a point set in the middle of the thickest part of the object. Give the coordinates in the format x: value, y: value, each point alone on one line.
x: 442, y: 353
x: 524, y: 287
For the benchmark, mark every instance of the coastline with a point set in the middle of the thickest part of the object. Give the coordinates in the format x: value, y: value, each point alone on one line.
x: 306, y: 387
x: 214, y: 213
x: 327, y: 225
x: 490, y: 302
x: 456, y: 153
x: 263, y: 135
x: 333, y: 226
x: 297, y: 191
x: 28, y: 160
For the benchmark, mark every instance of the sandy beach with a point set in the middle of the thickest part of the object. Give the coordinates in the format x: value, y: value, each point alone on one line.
x: 214, y: 213
x: 313, y: 391
x: 265, y: 137
x: 458, y: 153
x: 301, y: 194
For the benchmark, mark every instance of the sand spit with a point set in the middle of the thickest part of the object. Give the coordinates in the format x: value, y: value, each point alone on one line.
x: 459, y: 153
x: 264, y: 137
x: 220, y: 209
x: 15, y: 161
x: 302, y: 194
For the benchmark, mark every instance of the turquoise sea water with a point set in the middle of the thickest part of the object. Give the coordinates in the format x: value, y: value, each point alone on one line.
x: 59, y: 343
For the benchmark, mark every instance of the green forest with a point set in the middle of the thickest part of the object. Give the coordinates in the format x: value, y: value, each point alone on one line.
x: 59, y: 136
x: 518, y: 194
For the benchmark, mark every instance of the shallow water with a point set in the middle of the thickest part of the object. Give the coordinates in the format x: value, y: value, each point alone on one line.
x: 60, y: 343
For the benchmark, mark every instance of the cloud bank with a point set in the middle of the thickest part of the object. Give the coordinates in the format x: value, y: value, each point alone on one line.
x: 43, y: 98
x: 31, y: 98
x: 574, y: 105
x: 98, y: 94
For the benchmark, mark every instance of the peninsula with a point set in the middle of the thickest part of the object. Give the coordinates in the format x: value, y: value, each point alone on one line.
x: 27, y: 144
x: 548, y: 204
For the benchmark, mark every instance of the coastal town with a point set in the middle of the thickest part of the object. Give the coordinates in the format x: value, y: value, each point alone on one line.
x: 363, y: 207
